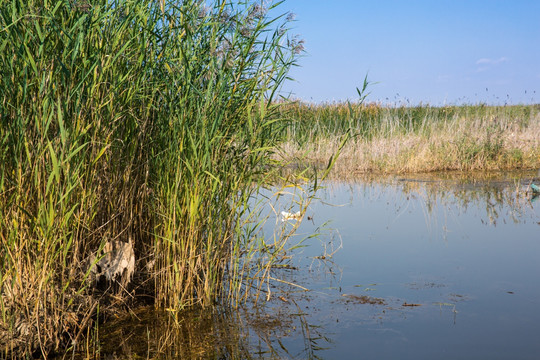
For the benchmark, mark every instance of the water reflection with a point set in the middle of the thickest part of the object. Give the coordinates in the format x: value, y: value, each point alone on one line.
x: 401, y: 268
x: 147, y: 333
x: 456, y: 261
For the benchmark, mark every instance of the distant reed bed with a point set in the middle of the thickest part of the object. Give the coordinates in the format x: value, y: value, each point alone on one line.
x: 399, y: 139
x: 132, y: 134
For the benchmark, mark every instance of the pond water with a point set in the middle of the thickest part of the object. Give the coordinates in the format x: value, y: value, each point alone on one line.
x: 401, y: 268
x: 454, y: 267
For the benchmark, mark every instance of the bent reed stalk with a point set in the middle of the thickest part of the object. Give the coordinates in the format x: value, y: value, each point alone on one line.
x: 145, y: 122
x: 413, y: 139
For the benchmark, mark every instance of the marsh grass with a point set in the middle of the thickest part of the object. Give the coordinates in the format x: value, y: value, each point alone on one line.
x: 388, y: 139
x: 273, y: 238
x: 144, y: 122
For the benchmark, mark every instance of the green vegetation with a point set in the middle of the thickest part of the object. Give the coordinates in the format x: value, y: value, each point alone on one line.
x: 142, y: 123
x: 136, y: 132
x: 399, y: 139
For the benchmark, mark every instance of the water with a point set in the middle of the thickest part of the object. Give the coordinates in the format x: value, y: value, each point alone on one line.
x: 401, y: 268
x: 466, y: 257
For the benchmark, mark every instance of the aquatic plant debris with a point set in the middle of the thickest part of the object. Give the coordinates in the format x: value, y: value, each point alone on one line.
x: 410, y: 304
x: 363, y: 299
x: 117, y: 263
x: 286, y: 216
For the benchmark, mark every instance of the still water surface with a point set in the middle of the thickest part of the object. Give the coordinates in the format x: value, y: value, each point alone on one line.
x: 456, y: 264
x: 402, y: 269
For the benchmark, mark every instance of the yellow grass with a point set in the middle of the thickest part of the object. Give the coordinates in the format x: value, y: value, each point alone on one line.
x: 464, y: 143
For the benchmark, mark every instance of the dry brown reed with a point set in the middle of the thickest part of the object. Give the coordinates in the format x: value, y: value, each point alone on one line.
x: 412, y: 140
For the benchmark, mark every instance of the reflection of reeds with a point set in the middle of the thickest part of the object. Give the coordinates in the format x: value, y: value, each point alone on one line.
x: 414, y: 139
x: 499, y: 194
x: 202, y: 333
x: 131, y: 119
x: 191, y: 334
x: 509, y: 198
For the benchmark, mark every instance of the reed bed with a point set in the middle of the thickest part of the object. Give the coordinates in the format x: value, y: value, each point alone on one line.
x: 406, y: 139
x: 133, y: 131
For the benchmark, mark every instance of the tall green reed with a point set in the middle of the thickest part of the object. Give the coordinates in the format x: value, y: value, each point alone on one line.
x: 128, y: 120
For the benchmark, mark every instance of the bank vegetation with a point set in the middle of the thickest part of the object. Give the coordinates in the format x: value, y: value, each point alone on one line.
x: 412, y: 139
x: 132, y: 134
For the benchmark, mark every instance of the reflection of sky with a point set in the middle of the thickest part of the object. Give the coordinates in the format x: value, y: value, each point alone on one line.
x: 477, y: 254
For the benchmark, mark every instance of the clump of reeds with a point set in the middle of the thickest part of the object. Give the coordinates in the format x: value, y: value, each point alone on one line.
x: 398, y: 139
x: 137, y: 121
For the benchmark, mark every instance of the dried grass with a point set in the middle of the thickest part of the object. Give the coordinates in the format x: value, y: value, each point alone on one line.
x: 494, y: 140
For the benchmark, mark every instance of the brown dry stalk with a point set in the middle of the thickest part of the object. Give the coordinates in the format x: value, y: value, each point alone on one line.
x: 460, y: 145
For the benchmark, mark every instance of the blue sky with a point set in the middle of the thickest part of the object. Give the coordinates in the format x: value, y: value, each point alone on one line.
x: 436, y: 51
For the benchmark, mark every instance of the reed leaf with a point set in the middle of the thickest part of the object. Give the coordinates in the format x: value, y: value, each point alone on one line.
x: 134, y: 121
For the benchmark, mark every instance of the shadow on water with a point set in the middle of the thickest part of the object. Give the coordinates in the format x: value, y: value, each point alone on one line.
x: 251, y: 332
x: 197, y: 333
x: 432, y: 266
